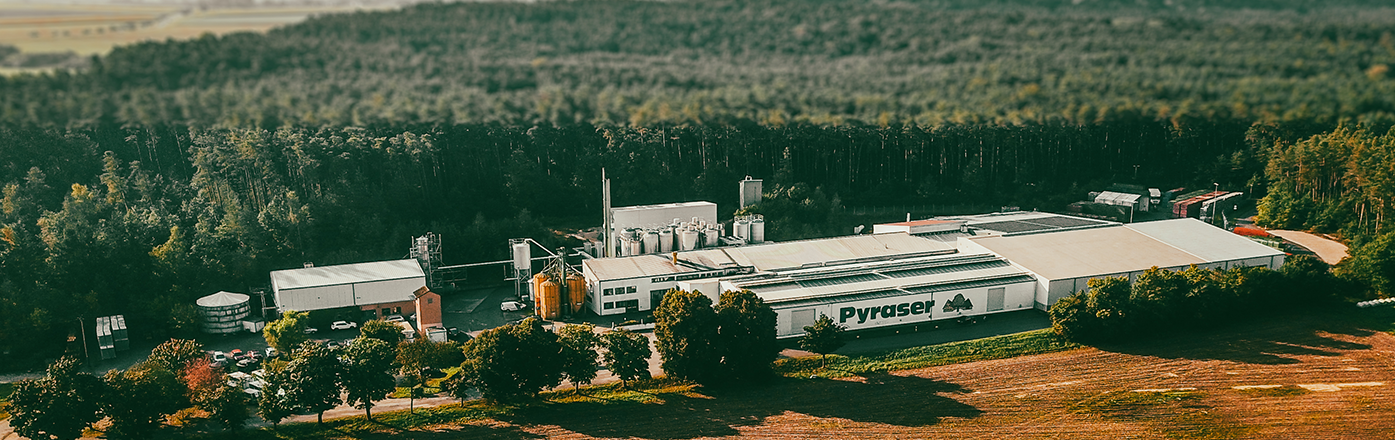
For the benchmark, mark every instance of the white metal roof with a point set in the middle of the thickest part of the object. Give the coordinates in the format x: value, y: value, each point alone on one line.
x: 1122, y: 249
x: 795, y: 254
x: 346, y: 274
x: 633, y: 267
x: 1086, y: 252
x: 1202, y: 240
x: 901, y: 274
x: 1117, y: 198
x: 663, y: 206
x: 222, y: 299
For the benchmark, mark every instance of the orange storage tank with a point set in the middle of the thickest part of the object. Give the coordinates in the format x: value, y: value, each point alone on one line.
x: 537, y: 290
x: 576, y: 291
x: 551, y: 295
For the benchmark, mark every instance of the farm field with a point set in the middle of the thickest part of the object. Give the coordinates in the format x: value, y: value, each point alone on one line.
x: 1305, y: 379
x: 88, y: 29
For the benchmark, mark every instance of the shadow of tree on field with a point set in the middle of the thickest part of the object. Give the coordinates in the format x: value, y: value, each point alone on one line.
x: 1275, y: 341
x: 876, y: 398
x: 456, y: 432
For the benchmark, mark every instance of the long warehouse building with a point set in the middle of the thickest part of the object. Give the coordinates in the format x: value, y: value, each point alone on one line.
x: 971, y: 266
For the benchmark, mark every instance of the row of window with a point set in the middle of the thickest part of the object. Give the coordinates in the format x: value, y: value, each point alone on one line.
x: 627, y: 304
x: 619, y: 291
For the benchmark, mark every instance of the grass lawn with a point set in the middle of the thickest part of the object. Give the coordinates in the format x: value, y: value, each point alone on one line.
x: 998, y: 347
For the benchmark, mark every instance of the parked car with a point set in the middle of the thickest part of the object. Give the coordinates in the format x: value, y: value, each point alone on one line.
x: 456, y: 335
x: 332, y: 345
x: 254, y: 354
x: 520, y: 320
x: 395, y: 318
x: 342, y: 325
x: 512, y: 306
x: 218, y: 356
x: 237, y: 354
x: 271, y: 353
x: 311, y: 330
x: 247, y: 362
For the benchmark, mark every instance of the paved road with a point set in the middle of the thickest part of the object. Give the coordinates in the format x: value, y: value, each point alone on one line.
x: 1330, y: 251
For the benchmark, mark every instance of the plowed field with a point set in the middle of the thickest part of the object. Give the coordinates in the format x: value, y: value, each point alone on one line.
x: 1298, y: 379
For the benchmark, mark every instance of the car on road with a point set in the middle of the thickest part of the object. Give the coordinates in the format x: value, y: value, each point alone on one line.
x: 342, y: 325
x: 512, y: 306
x: 311, y: 330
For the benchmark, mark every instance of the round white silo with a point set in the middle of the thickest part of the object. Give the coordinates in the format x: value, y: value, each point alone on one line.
x: 223, y: 312
x: 758, y: 230
x: 689, y: 239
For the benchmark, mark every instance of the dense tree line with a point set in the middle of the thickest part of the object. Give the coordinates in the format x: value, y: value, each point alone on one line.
x: 645, y: 63
x: 1160, y: 300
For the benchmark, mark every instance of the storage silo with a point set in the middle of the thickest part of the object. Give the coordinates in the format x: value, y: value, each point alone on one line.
x: 223, y: 312
x: 551, y: 296
x: 538, y: 281
x: 689, y: 239
x: 666, y: 240
x: 741, y: 228
x: 757, y: 230
x: 576, y: 291
x: 711, y: 236
x: 651, y: 242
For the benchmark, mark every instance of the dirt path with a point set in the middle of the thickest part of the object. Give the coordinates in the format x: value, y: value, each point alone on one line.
x: 1329, y: 250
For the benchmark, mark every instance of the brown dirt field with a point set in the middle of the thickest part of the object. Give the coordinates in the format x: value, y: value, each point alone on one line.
x: 1080, y: 394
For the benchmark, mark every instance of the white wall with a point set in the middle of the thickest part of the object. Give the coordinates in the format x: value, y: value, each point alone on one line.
x: 315, y: 298
x: 378, y: 292
x: 1018, y: 296
x: 655, y: 217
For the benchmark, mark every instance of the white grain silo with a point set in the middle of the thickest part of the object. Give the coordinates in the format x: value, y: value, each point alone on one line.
x: 666, y: 240
x: 741, y: 228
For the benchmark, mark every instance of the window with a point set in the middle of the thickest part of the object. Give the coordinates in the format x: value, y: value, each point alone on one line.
x: 430, y: 300
x: 631, y: 289
x: 609, y: 292
x: 609, y: 305
x: 627, y: 304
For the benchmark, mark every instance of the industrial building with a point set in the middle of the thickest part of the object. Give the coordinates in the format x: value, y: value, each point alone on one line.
x: 378, y: 288
x: 1063, y: 261
x: 920, y: 271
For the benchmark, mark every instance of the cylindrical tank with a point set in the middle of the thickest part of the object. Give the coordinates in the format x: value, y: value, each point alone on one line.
x: 636, y: 248
x: 551, y: 307
x: 757, y: 230
x: 576, y: 291
x: 223, y: 312
x: 741, y: 229
x: 689, y: 240
x: 538, y: 281
x: 651, y: 242
x: 666, y: 240
x: 711, y: 236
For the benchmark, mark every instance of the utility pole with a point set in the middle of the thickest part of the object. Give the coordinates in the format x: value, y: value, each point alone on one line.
x: 83, y: 330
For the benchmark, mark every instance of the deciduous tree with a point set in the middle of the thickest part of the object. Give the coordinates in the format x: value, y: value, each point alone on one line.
x: 746, y: 335
x: 287, y: 333
x: 513, y: 361
x: 367, y: 376
x: 578, y: 354
x: 685, y: 327
x: 138, y: 399
x: 59, y: 405
x: 824, y: 337
x: 314, y: 379
x: 627, y: 355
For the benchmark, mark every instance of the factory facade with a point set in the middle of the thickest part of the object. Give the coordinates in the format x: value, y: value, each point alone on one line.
x: 923, y: 271
x: 377, y: 288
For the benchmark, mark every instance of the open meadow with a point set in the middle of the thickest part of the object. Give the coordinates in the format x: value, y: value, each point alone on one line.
x: 1304, y: 378
x: 94, y: 28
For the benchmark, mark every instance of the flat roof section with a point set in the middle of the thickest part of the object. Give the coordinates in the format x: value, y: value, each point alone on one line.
x: 638, y: 266
x: 1202, y: 240
x: 1009, y: 223
x: 797, y: 254
x: 1087, y: 252
x: 915, y: 273
x: 662, y: 206
x: 922, y: 223
x: 346, y: 274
